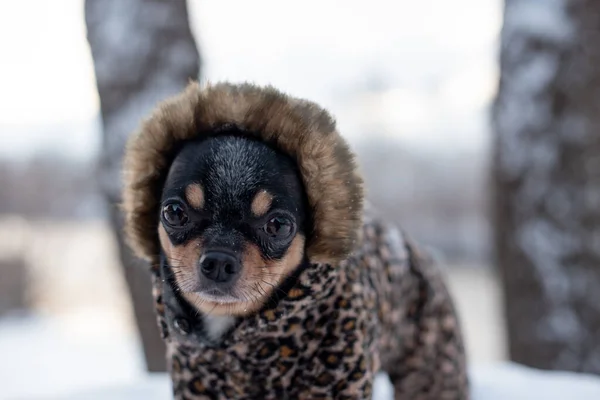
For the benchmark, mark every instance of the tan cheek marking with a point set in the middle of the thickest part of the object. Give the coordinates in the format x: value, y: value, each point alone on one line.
x: 183, y: 259
x: 196, y: 300
x: 261, y: 203
x: 292, y: 258
x: 252, y: 259
x: 265, y: 275
x: 165, y: 243
x: 195, y: 195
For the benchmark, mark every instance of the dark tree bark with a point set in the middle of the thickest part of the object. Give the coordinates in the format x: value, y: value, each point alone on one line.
x: 143, y: 51
x: 13, y: 285
x: 547, y: 182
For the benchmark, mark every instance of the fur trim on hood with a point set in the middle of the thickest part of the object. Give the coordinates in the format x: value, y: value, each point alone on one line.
x: 296, y: 127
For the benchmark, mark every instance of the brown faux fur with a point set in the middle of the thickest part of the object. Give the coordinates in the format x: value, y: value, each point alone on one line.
x: 300, y: 128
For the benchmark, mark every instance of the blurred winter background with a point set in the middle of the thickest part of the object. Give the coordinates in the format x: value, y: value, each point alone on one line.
x: 411, y: 84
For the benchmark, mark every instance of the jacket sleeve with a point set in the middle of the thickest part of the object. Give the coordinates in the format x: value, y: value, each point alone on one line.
x: 430, y: 361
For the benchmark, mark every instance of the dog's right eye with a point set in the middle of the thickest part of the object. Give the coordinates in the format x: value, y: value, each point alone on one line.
x: 174, y: 215
x: 278, y: 228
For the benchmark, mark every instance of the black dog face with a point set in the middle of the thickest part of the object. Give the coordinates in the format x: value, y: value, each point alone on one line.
x: 233, y: 222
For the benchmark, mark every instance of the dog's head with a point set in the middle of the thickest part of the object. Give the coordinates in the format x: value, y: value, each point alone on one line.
x: 232, y: 225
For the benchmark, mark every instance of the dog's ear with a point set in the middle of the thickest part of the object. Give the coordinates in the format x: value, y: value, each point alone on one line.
x: 299, y: 128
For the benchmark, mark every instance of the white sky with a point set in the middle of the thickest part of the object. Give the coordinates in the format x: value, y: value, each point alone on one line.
x: 46, y: 78
x: 438, y: 56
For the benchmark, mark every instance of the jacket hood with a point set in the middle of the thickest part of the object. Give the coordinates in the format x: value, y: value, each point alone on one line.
x: 299, y: 128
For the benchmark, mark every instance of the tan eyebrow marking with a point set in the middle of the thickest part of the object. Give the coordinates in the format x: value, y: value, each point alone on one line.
x: 261, y: 203
x: 195, y: 195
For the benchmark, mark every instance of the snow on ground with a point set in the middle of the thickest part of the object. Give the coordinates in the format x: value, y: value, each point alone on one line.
x: 507, y: 381
x: 503, y: 381
x: 64, y: 364
x: 152, y: 387
x: 45, y: 356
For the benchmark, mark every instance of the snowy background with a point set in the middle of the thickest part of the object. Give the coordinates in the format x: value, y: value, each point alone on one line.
x: 410, y: 83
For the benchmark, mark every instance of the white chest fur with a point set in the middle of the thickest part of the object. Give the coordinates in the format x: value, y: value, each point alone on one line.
x: 216, y: 325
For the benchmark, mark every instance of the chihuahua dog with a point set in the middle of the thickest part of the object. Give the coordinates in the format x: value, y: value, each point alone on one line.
x: 271, y: 279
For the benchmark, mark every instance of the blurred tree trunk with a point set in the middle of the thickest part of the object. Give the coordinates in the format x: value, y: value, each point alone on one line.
x: 143, y: 51
x: 547, y: 182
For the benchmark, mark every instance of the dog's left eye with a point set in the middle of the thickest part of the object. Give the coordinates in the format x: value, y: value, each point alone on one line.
x: 174, y: 215
x: 278, y: 227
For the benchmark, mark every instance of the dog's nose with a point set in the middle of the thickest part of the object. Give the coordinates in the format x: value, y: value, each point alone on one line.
x: 219, y: 266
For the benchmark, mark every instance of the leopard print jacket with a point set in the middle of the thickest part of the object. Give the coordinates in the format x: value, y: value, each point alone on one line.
x: 384, y: 308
